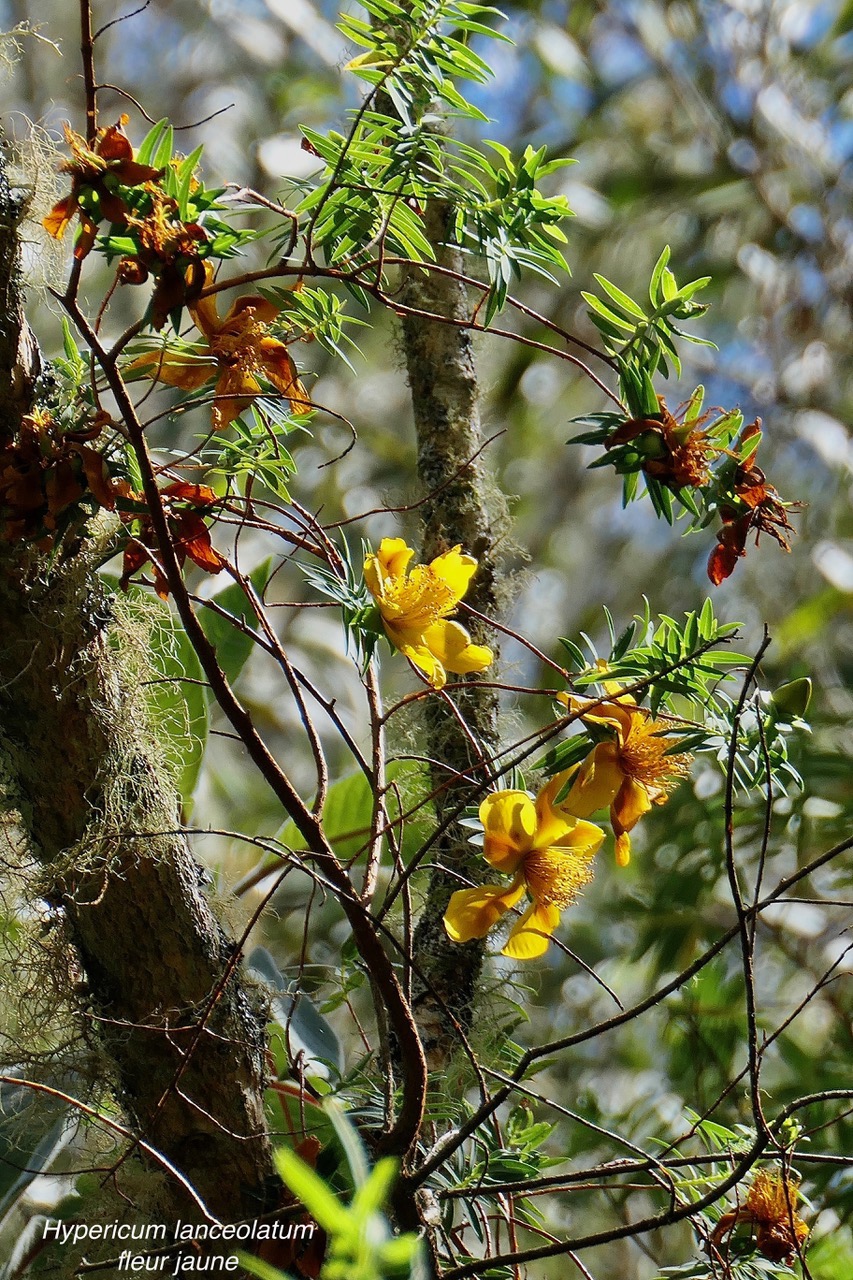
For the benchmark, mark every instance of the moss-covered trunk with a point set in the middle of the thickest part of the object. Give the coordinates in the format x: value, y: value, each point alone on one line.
x: 87, y: 785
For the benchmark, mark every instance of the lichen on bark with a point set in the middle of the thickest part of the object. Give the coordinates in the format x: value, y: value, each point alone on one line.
x: 463, y: 507
x: 88, y: 790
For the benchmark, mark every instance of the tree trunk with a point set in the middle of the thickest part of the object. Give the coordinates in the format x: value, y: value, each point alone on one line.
x: 95, y: 800
x: 443, y: 382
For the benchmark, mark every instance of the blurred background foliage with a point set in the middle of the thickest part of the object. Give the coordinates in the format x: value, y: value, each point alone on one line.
x: 724, y: 129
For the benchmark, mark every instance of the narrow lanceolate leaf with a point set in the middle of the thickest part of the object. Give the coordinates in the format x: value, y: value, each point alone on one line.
x: 628, y: 305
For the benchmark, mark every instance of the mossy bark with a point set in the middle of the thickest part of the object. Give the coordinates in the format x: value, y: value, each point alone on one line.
x: 96, y: 803
x: 461, y: 509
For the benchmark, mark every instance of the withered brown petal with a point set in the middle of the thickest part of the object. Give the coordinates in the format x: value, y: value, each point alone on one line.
x: 113, y: 208
x: 57, y: 220
x: 114, y: 145
x: 86, y: 238
x: 200, y: 495
x: 131, y: 173
x: 194, y: 539
x: 62, y: 487
x: 98, y: 477
x: 135, y: 556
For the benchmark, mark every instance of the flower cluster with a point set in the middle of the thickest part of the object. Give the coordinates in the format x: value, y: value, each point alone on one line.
x: 770, y: 1211
x: 752, y: 505
x: 546, y: 849
x: 103, y: 177
x: 414, y: 605
x: 238, y: 353
x: 676, y: 453
x: 703, y: 463
x: 169, y: 249
x: 152, y: 214
x: 185, y: 505
x: 629, y: 771
x: 546, y: 844
x: 46, y: 472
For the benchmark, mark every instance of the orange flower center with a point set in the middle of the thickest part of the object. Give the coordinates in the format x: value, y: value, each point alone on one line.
x: 690, y: 461
x: 643, y: 756
x: 554, y: 878
x: 417, y: 600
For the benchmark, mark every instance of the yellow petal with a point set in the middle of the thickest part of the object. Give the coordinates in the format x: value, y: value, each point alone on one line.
x: 452, y: 645
x: 175, y: 368
x: 471, y: 913
x: 623, y: 849
x: 583, y: 838
x: 531, y: 936
x: 630, y: 803
x: 373, y: 576
x: 613, y: 712
x: 279, y: 368
x: 249, y: 308
x: 509, y: 821
x: 204, y: 311
x: 420, y: 656
x: 596, y: 783
x: 394, y: 556
x: 555, y: 822
x: 235, y: 391
x: 456, y: 570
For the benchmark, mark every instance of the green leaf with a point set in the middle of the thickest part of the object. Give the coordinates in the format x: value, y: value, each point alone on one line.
x: 151, y: 142
x: 655, y: 284
x: 346, y: 817
x: 628, y: 305
x: 33, y: 1131
x: 263, y: 1270
x: 611, y: 317
x: 165, y: 147
x: 305, y: 1030
x: 372, y: 1194
x: 308, y: 1187
x: 794, y: 697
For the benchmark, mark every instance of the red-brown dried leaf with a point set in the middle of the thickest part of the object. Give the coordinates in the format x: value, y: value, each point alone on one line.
x: 135, y: 556
x: 98, y: 477
x: 194, y: 540
x: 200, y: 495
x: 62, y: 487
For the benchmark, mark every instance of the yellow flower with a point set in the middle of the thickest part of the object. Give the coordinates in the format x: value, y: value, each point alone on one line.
x: 414, y: 605
x: 239, y: 351
x: 548, y: 852
x: 630, y: 772
x: 770, y: 1209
